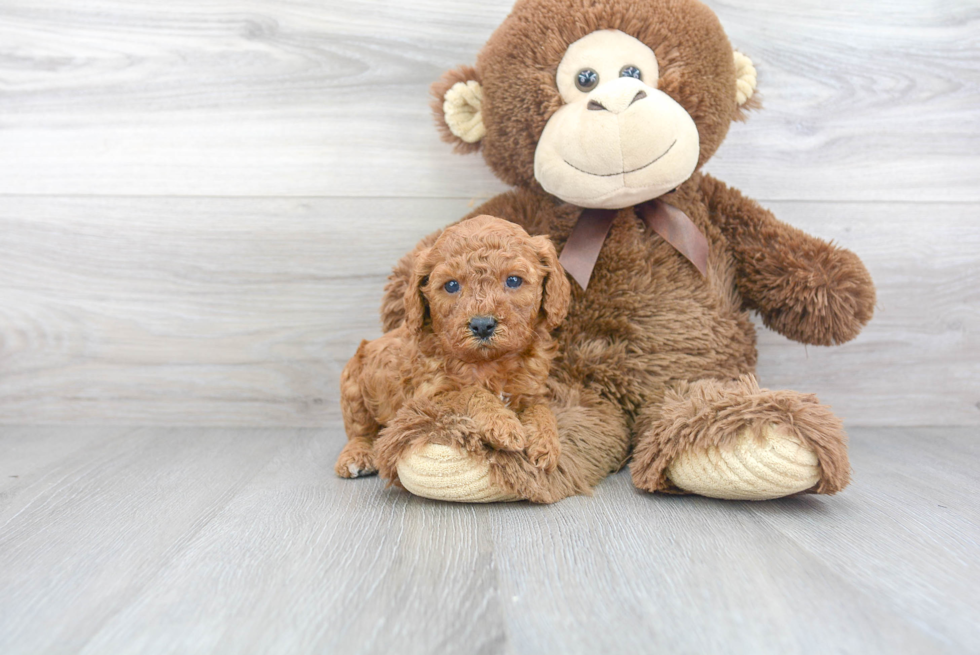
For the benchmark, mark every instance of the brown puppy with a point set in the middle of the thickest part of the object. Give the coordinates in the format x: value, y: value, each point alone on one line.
x: 476, y: 340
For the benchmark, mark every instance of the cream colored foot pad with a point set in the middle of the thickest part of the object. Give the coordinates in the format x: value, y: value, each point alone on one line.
x: 752, y: 470
x: 445, y: 473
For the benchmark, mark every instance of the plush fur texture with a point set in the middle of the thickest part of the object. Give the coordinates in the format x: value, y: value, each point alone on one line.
x: 804, y: 288
x: 517, y: 70
x: 435, y: 364
x: 714, y: 412
x: 592, y: 443
x: 653, y: 356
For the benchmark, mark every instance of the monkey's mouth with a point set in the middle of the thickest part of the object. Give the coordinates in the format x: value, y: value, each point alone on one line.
x: 646, y: 165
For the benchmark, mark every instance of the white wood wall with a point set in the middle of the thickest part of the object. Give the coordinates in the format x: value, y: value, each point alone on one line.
x: 199, y: 201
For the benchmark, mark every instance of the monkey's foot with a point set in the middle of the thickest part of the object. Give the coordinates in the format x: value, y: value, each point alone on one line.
x: 733, y: 440
x: 772, y: 464
x: 445, y: 473
x: 440, y: 455
x: 444, y: 456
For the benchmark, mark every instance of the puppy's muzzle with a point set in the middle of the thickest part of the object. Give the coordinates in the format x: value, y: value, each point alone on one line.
x: 483, y: 327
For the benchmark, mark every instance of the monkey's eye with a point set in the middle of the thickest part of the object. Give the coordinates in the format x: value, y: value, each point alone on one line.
x: 587, y: 79
x: 630, y: 71
x: 451, y: 287
x: 513, y: 282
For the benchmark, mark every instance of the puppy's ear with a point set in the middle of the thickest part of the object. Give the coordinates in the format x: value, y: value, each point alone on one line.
x: 557, y: 291
x: 416, y: 306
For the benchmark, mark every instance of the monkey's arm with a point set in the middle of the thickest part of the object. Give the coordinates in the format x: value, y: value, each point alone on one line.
x: 803, y: 287
x: 516, y: 206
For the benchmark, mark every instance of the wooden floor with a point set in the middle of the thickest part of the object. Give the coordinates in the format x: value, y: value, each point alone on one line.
x: 193, y: 540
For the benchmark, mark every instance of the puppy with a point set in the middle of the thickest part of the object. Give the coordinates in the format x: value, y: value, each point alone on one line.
x: 476, y: 341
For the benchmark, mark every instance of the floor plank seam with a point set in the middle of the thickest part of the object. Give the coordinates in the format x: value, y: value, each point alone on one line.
x: 179, y: 547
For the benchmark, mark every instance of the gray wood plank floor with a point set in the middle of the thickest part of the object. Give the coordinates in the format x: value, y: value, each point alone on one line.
x: 192, y: 540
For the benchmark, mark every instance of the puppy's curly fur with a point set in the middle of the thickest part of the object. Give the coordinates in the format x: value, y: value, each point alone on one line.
x: 438, y: 361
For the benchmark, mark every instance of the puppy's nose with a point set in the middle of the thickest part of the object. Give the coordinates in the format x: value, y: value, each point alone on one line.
x: 483, y: 326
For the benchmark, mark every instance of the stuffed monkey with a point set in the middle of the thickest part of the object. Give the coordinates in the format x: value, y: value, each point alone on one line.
x: 601, y: 115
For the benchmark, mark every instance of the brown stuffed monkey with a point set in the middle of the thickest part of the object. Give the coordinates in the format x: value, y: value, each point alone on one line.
x: 601, y: 114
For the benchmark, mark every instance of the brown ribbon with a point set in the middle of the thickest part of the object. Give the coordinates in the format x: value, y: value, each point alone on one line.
x: 581, y: 251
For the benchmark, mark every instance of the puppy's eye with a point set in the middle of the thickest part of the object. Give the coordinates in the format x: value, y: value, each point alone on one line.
x: 513, y: 282
x: 451, y: 287
x: 586, y: 79
x: 630, y: 71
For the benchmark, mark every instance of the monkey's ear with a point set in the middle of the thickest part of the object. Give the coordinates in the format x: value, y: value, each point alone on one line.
x: 416, y: 307
x: 745, y: 83
x: 457, y: 103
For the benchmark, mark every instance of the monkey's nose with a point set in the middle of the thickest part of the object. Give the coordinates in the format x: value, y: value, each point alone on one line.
x: 598, y: 106
x: 482, y: 327
x: 616, y: 96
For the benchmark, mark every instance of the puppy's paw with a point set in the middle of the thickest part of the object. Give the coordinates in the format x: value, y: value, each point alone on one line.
x: 356, y: 461
x: 505, y: 432
x: 543, y: 445
x: 544, y: 454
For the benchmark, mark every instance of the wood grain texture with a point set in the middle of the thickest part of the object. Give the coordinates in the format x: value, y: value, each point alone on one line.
x: 864, y: 101
x: 177, y: 540
x: 207, y: 311
x: 126, y: 506
x: 199, y: 203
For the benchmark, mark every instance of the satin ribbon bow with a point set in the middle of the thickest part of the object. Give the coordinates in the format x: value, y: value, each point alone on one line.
x: 581, y: 251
